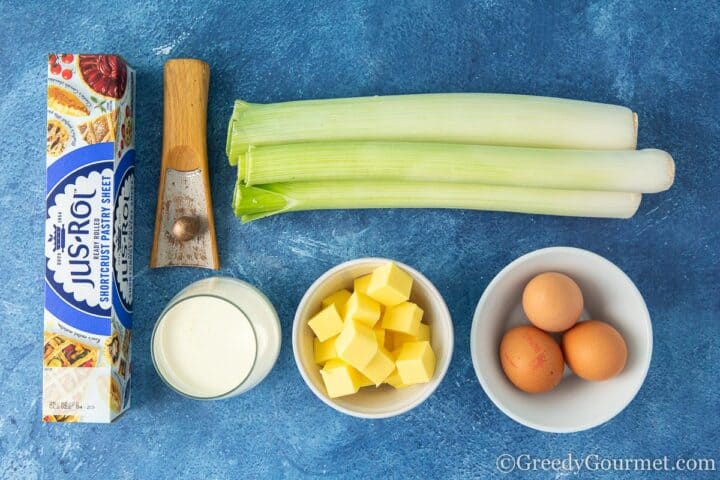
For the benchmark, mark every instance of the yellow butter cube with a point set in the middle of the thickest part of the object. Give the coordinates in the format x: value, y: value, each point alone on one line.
x: 389, y: 339
x: 362, y: 308
x: 364, y: 381
x: 327, y: 323
x: 380, y: 334
x: 340, y: 378
x: 403, y: 318
x: 395, y: 380
x: 398, y: 338
x: 423, y: 332
x: 415, y: 362
x: 339, y: 299
x: 356, y: 344
x: 390, y: 285
x: 380, y: 367
x: 324, y: 351
x: 360, y: 285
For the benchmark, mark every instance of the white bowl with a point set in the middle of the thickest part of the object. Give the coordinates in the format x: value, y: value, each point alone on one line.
x: 609, y: 296
x: 369, y: 402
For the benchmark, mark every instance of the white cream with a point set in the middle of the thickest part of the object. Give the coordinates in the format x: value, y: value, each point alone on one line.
x: 218, y: 337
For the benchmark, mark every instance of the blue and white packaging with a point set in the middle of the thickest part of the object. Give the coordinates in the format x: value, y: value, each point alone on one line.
x: 89, y: 238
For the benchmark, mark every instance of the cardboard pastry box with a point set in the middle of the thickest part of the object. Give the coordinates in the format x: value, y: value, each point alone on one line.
x: 89, y: 238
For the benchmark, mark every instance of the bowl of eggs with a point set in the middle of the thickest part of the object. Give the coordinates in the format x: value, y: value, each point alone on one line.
x: 561, y: 340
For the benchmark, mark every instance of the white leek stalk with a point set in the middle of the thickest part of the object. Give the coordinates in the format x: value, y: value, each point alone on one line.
x: 251, y: 203
x: 644, y: 171
x: 470, y: 118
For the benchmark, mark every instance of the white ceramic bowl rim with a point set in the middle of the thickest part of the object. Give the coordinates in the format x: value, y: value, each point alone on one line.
x: 485, y: 298
x: 441, y: 367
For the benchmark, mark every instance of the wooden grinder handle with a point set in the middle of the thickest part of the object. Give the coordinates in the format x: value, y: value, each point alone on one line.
x: 185, y: 114
x: 184, y: 148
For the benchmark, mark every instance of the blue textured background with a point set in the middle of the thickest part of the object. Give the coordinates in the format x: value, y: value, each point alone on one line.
x: 660, y: 60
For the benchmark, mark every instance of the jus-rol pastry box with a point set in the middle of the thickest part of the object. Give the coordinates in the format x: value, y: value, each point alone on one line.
x: 89, y: 238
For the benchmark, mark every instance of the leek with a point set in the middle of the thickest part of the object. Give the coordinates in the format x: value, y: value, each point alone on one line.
x: 471, y: 118
x: 252, y: 203
x: 644, y: 171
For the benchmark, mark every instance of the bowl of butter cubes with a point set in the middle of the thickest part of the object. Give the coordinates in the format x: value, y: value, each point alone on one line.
x: 372, y: 338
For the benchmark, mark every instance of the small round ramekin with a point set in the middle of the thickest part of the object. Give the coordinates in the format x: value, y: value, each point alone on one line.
x: 384, y: 401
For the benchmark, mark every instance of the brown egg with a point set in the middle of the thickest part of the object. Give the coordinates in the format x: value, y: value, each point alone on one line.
x: 552, y: 301
x: 594, y: 350
x: 531, y: 359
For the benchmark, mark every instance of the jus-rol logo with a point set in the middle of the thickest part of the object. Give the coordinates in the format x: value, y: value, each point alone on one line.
x: 78, y: 247
x: 123, y: 238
